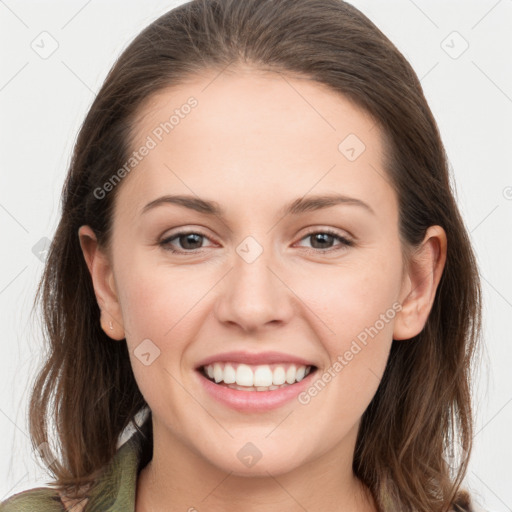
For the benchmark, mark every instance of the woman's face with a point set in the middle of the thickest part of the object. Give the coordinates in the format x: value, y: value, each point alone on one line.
x: 262, y: 281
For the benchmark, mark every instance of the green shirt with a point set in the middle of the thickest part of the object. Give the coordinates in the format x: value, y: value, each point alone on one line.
x: 113, y: 492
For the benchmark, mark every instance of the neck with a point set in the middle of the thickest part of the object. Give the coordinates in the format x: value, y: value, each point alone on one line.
x: 178, y: 479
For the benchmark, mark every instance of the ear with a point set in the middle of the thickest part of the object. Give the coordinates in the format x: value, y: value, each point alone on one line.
x: 102, y: 275
x: 420, y: 283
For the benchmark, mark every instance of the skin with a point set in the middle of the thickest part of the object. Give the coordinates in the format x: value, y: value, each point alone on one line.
x: 255, y: 142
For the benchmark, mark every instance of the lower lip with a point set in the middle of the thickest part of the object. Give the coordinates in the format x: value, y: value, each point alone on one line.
x: 254, y: 401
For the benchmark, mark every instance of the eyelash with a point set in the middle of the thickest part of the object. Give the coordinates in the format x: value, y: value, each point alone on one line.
x: 345, y: 242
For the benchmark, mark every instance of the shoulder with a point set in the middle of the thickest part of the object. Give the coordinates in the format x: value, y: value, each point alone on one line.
x: 42, y: 499
x: 113, y: 490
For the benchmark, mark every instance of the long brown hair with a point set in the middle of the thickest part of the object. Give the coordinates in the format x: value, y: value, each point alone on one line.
x: 86, y: 389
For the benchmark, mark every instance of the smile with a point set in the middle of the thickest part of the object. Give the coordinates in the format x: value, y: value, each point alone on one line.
x: 265, y: 377
x: 254, y: 387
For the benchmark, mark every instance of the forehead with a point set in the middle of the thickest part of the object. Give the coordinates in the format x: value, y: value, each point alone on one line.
x: 270, y: 103
x: 251, y: 132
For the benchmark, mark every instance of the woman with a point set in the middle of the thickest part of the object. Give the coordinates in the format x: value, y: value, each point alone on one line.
x: 261, y: 266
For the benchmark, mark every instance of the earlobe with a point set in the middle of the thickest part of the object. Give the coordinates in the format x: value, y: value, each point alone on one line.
x: 101, y: 272
x: 425, y: 269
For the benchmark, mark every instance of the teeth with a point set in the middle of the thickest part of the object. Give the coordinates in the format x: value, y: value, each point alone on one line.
x: 263, y: 376
x: 253, y: 388
x: 291, y: 373
x: 260, y: 378
x: 279, y: 376
x: 229, y: 374
x: 244, y: 375
x: 218, y: 374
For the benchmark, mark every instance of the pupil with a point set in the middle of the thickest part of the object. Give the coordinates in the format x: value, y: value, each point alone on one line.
x: 322, y: 237
x: 191, y: 238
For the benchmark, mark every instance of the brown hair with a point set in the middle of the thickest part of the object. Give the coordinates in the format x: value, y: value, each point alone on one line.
x: 423, y: 403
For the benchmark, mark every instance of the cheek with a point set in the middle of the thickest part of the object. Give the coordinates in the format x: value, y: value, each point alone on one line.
x: 157, y: 304
x: 356, y: 311
x: 158, y: 301
x: 349, y: 298
x: 358, y: 351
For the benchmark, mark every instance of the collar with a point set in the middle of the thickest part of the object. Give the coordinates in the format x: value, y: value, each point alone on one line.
x: 115, y: 490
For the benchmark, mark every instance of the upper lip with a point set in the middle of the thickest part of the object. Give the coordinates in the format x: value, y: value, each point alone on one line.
x: 254, y: 358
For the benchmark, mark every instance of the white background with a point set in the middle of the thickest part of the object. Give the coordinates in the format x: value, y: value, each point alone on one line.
x: 43, y: 102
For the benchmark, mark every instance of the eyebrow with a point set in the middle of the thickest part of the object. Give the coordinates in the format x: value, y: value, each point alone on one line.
x: 296, y: 207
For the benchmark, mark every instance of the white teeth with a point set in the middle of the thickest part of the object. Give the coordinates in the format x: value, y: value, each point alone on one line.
x: 229, y: 374
x: 263, y: 376
x: 253, y: 388
x: 291, y: 374
x: 300, y: 373
x: 259, y: 377
x: 244, y: 375
x: 279, y: 376
x: 218, y: 374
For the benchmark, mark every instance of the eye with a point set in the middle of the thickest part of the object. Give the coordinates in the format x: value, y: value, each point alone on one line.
x: 189, y: 241
x: 324, y: 239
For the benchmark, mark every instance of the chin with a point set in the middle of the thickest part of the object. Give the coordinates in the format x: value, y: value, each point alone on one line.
x: 258, y: 459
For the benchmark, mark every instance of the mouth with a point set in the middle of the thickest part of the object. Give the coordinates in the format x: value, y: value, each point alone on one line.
x: 258, y: 378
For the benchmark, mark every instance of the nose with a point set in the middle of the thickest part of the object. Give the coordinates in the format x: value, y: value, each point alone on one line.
x: 253, y: 294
